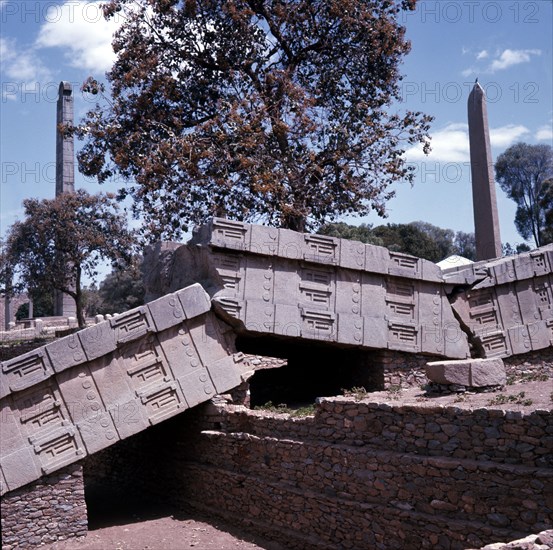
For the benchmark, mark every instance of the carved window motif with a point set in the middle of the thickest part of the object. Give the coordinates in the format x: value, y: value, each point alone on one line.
x: 227, y: 261
x: 230, y: 281
x: 539, y: 262
x: 320, y: 246
x: 26, y: 368
x: 319, y: 297
x: 38, y: 408
x: 229, y: 230
x: 232, y: 307
x: 161, y: 402
x: 481, y: 299
x: 44, y: 415
x: 55, y: 448
x: 130, y: 326
x: 397, y: 287
x: 401, y: 309
x: 404, y: 261
x: 146, y: 366
x: 318, y: 321
x: 542, y: 293
x: 403, y: 333
x: 494, y: 343
x: 319, y: 276
x: 485, y: 317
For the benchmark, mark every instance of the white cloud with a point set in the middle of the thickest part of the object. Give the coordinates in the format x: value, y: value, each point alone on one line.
x: 507, y: 135
x: 508, y: 58
x: 21, y: 68
x: 482, y: 55
x: 545, y: 133
x: 79, y: 28
x: 449, y: 144
x: 469, y: 71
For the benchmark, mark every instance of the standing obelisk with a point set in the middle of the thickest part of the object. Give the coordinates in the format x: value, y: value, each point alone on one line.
x: 64, y: 305
x: 486, y: 220
x: 65, y: 153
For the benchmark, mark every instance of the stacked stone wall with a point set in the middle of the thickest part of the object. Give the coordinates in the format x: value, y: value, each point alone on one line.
x: 50, y: 509
x: 367, y: 475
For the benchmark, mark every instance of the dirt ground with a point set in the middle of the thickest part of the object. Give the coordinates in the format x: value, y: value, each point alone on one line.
x: 161, y: 530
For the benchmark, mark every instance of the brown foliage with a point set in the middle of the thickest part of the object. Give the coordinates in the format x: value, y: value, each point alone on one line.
x: 258, y: 110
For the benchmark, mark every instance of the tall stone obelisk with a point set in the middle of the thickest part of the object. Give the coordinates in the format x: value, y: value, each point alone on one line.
x: 64, y: 305
x: 65, y: 152
x: 486, y: 219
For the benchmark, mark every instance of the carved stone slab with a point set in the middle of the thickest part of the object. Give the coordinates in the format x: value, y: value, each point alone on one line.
x: 84, y: 392
x: 321, y: 288
x: 509, y: 306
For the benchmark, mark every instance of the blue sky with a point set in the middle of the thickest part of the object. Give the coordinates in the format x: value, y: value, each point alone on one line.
x: 507, y: 44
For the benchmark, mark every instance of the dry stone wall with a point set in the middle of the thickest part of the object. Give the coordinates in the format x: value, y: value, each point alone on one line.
x: 368, y: 475
x: 50, y: 509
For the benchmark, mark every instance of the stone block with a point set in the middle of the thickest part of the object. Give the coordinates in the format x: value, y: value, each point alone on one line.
x: 195, y: 300
x: 375, y: 333
x: 25, y: 371
x: 470, y: 373
x: 229, y: 234
x: 287, y: 320
x: 19, y: 468
x: 225, y: 374
x: 197, y: 387
x: 166, y: 312
x: 404, y: 265
x: 449, y: 372
x: 86, y: 408
x: 352, y: 255
x: 260, y: 316
x: 487, y: 372
x: 264, y: 240
x: 208, y: 336
x: 98, y: 340
x: 290, y: 244
x: 350, y: 329
x: 132, y: 325
x: 321, y: 249
x: 66, y: 352
x: 254, y: 282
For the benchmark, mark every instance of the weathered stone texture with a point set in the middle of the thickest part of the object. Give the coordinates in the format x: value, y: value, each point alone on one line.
x: 472, y: 373
x: 50, y: 509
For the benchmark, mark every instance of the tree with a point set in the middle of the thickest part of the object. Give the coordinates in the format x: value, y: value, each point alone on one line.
x: 547, y: 204
x: 521, y: 172
x: 465, y: 245
x: 341, y: 230
x: 62, y: 239
x: 43, y: 304
x: 421, y: 239
x: 275, y: 111
x: 122, y: 289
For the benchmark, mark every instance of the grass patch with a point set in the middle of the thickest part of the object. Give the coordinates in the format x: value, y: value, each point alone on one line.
x: 518, y: 399
x: 283, y: 408
x: 357, y: 392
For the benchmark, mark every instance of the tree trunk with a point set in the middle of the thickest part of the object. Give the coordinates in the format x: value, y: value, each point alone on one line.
x: 79, y: 300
